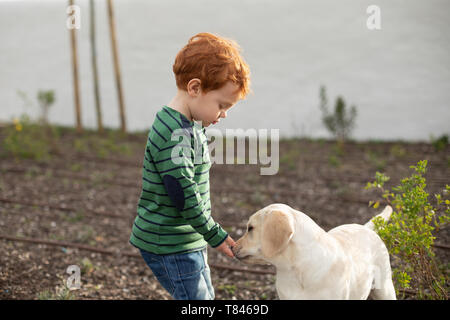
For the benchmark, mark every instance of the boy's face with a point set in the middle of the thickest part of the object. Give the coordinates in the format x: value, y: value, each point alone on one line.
x: 212, y: 106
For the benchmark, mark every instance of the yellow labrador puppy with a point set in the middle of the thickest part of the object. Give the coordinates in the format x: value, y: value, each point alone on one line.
x: 348, y: 262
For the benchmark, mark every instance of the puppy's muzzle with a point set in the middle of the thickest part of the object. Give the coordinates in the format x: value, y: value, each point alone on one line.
x: 236, y: 250
x: 238, y: 254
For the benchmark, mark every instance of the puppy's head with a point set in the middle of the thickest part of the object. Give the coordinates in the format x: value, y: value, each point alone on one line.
x: 268, y: 234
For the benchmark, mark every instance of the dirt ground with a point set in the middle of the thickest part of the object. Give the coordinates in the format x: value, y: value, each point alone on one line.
x: 83, y: 197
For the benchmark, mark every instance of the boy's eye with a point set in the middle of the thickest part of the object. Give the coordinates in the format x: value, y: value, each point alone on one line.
x: 250, y: 228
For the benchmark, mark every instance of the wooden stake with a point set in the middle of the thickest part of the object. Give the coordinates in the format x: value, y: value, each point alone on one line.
x: 94, y: 67
x: 116, y: 64
x: 76, y: 89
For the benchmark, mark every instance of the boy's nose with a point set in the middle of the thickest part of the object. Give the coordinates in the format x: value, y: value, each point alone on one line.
x: 223, y: 115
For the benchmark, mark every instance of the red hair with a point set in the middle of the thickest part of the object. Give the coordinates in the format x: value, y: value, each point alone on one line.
x: 215, y: 61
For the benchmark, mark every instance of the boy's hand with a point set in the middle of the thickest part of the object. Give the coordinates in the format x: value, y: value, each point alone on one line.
x: 225, y: 247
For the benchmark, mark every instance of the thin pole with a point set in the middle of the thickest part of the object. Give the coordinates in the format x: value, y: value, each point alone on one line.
x: 94, y: 67
x: 76, y: 88
x: 116, y: 65
x: 116, y: 252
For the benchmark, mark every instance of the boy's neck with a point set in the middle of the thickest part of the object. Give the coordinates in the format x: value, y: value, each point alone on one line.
x: 180, y: 104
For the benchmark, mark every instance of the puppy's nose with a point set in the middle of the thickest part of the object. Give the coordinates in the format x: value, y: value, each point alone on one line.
x: 235, y: 250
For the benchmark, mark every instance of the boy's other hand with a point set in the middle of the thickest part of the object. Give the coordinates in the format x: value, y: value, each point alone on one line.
x: 225, y: 247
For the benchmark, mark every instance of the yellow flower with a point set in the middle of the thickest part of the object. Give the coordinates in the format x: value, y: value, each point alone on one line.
x: 18, y: 127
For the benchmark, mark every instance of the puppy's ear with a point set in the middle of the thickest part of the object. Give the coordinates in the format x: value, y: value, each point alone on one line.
x: 277, y: 231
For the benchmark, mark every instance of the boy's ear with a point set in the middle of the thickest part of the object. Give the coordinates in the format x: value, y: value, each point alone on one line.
x: 194, y: 87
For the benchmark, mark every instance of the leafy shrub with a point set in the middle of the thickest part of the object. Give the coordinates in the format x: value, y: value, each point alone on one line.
x: 440, y: 143
x: 397, y: 151
x: 26, y: 139
x: 45, y: 99
x: 408, y: 235
x: 341, y: 122
x: 62, y: 292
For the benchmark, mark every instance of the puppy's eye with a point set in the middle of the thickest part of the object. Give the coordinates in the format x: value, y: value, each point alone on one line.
x: 250, y: 228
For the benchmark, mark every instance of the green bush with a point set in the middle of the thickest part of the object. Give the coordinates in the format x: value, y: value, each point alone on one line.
x: 440, y: 143
x: 408, y: 234
x: 37, y: 140
x: 45, y: 100
x: 62, y: 292
x: 341, y: 122
x: 26, y: 139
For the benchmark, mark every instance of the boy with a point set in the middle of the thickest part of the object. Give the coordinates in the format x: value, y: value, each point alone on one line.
x: 174, y: 223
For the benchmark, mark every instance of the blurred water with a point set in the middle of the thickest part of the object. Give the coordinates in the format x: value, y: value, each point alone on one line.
x: 398, y: 77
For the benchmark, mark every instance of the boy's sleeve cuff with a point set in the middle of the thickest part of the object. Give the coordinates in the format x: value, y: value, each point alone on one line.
x: 218, y: 238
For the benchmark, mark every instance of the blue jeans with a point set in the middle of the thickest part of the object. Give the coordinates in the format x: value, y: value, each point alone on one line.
x: 186, y: 276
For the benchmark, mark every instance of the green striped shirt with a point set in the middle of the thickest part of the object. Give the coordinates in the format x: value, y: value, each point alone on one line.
x: 174, y: 209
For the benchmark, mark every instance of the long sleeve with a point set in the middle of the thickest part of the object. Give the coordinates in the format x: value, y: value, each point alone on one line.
x: 187, y: 188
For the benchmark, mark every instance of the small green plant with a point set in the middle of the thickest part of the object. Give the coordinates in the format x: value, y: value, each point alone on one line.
x: 26, y: 139
x: 45, y: 100
x: 72, y: 217
x: 440, y: 143
x: 290, y: 158
x: 377, y: 161
x: 397, y: 151
x: 61, y: 293
x: 80, y: 145
x: 341, y: 122
x: 408, y: 234
x: 333, y: 160
x: 103, y: 145
x: 76, y: 167
x: 86, y: 266
x: 335, y: 157
x: 338, y: 150
x: 229, y: 288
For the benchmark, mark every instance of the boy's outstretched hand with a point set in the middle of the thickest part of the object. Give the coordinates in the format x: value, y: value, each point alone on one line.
x: 225, y: 247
